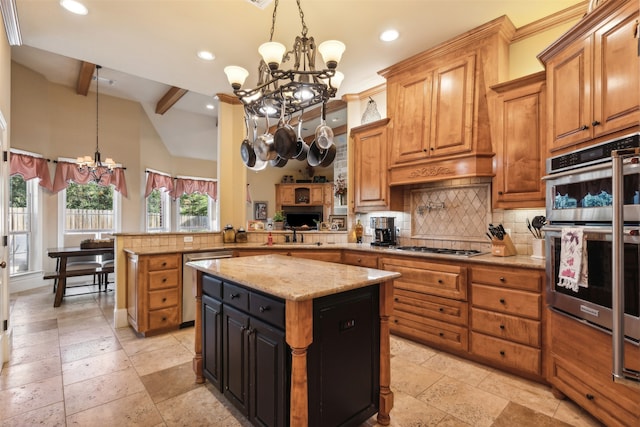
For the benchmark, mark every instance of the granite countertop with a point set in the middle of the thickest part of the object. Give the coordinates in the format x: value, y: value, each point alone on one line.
x: 292, y: 278
x: 523, y: 261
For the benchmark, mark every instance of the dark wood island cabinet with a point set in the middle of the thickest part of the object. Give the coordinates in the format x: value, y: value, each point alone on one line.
x: 295, y: 342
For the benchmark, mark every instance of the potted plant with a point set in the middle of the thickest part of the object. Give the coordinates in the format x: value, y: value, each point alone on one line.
x: 278, y: 220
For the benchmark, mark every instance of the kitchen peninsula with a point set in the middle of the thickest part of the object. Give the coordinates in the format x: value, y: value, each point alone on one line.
x: 286, y: 338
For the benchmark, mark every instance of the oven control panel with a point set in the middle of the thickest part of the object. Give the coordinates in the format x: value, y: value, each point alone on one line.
x: 591, y: 155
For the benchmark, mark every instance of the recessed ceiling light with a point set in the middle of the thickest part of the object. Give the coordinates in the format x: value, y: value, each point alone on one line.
x: 74, y: 6
x: 389, y: 35
x: 205, y: 55
x: 210, y: 107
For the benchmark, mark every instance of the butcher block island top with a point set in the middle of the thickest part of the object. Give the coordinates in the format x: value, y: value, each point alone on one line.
x: 292, y: 278
x: 306, y: 290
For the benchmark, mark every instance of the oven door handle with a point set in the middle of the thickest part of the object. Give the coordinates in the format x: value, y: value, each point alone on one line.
x: 585, y: 229
x: 620, y: 373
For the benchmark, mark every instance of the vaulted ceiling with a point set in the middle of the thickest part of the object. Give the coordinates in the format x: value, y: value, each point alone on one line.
x: 148, y: 47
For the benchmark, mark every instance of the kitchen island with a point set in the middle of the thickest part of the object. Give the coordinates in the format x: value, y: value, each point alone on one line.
x: 318, y: 301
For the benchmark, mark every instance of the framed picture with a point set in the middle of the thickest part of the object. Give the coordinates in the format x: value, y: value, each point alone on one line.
x: 260, y: 211
x: 255, y: 225
x: 338, y: 222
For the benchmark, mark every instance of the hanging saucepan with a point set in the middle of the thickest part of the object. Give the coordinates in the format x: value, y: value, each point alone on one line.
x: 284, y: 138
x: 321, y: 157
x: 263, y: 145
x: 246, y: 148
x: 278, y: 162
x: 302, y: 149
x: 324, y: 134
x: 259, y: 164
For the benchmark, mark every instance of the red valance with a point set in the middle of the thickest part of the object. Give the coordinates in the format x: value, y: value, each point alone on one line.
x: 66, y: 172
x: 190, y: 186
x: 158, y: 181
x: 30, y: 167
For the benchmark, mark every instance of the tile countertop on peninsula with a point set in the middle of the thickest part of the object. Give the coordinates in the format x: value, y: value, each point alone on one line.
x: 292, y: 278
x: 524, y: 261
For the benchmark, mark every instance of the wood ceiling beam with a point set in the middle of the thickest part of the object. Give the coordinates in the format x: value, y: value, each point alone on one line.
x: 84, y: 78
x: 171, y: 97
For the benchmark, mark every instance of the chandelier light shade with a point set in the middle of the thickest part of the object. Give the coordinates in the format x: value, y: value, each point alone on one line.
x: 272, y: 53
x: 236, y: 76
x: 95, y: 166
x: 331, y: 52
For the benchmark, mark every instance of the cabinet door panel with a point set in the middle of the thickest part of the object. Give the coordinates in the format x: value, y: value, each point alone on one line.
x: 236, y: 360
x: 453, y: 94
x: 411, y: 117
x: 616, y: 74
x: 212, y: 340
x: 569, y: 80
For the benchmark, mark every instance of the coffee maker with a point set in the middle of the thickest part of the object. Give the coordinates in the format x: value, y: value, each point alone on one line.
x: 384, y: 232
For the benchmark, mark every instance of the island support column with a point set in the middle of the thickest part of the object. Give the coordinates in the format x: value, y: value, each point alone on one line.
x: 197, y: 358
x: 299, y: 335
x: 386, y: 395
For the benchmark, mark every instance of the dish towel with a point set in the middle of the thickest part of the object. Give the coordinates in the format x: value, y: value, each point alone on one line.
x: 573, y: 260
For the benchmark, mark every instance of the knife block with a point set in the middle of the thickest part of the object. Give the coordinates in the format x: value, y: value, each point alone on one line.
x: 503, y: 247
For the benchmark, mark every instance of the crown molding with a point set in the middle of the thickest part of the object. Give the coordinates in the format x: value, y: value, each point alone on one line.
x: 11, y: 24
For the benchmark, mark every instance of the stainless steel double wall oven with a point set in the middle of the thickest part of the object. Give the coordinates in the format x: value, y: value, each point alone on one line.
x: 581, y: 193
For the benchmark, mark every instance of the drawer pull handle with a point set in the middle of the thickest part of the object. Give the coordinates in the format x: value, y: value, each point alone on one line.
x: 441, y: 309
x: 501, y: 352
x: 502, y: 279
x: 264, y: 308
x: 233, y: 296
x: 440, y: 281
x: 164, y: 264
x: 164, y: 300
x: 164, y: 319
x: 502, y: 301
x: 359, y: 260
x: 441, y: 334
x: 164, y: 280
x: 395, y: 320
x: 589, y: 396
x: 396, y: 299
x: 502, y: 327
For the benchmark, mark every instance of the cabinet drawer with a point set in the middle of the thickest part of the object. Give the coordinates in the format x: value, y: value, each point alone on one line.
x: 529, y: 280
x: 163, y: 279
x: 505, y: 353
x: 442, y: 280
x: 267, y: 309
x: 571, y: 382
x: 444, y: 309
x: 508, y: 301
x: 512, y: 328
x: 163, y: 299
x: 162, y: 262
x: 235, y: 296
x: 212, y: 286
x: 167, y: 317
x: 430, y: 331
x: 362, y: 260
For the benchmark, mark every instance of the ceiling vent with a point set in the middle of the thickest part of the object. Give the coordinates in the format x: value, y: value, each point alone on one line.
x: 261, y: 4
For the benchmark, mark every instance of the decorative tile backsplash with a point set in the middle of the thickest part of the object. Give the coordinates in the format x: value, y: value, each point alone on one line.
x: 451, y: 213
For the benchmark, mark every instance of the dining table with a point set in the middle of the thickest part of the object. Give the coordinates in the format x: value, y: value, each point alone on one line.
x: 63, y: 255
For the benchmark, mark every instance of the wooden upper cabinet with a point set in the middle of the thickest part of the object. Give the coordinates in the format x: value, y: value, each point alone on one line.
x: 371, y: 183
x: 519, y: 130
x: 593, y: 78
x: 438, y: 106
x: 433, y: 111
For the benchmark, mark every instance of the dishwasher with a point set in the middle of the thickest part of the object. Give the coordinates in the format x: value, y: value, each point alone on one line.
x: 188, y: 297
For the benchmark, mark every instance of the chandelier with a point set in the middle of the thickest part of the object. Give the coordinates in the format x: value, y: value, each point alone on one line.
x: 95, y: 166
x: 296, y: 89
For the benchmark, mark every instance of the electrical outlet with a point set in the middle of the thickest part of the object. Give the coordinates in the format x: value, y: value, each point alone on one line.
x: 187, y: 239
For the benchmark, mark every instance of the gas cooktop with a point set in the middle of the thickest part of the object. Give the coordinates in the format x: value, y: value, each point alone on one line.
x: 442, y: 251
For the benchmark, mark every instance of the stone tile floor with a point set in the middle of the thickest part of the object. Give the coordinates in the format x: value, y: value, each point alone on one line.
x: 70, y: 367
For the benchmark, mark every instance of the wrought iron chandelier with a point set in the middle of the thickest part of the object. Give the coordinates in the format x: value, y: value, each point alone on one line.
x: 95, y: 166
x: 298, y: 88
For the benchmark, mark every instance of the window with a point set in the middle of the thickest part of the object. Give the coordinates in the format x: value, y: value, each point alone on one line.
x: 196, y: 212
x: 90, y: 208
x: 158, y: 219
x: 22, y: 202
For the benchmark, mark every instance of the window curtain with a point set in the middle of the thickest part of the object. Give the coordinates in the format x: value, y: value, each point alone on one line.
x: 190, y: 186
x: 158, y: 181
x: 31, y: 167
x: 66, y: 172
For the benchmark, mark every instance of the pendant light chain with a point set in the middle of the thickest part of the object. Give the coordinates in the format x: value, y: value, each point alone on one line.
x: 305, y: 30
x: 97, y: 97
x: 273, y: 20
x: 304, y: 25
